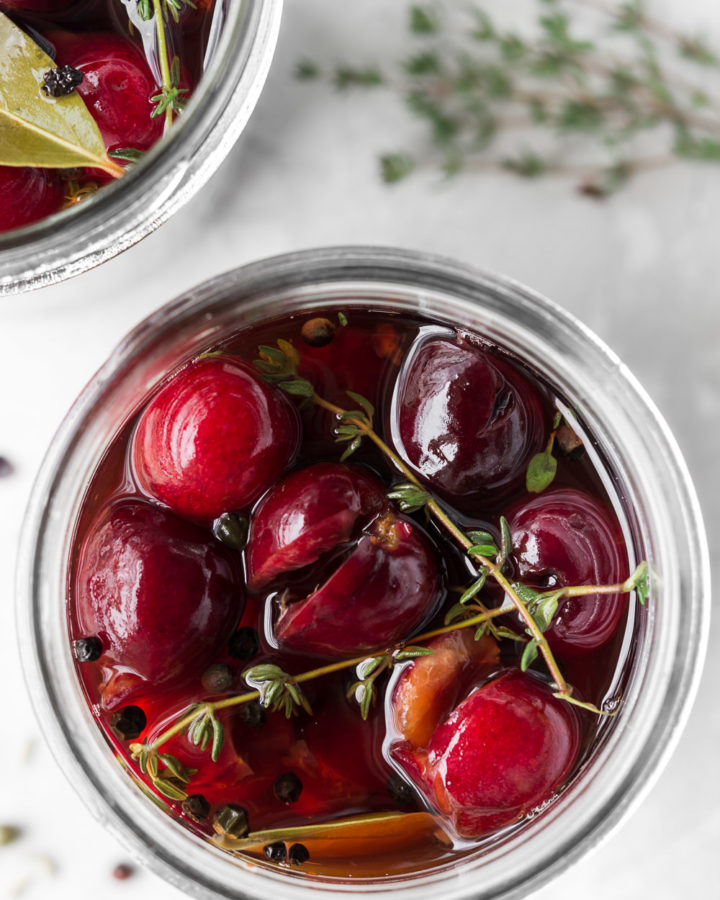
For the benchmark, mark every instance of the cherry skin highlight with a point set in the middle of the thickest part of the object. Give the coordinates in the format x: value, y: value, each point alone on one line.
x: 382, y: 592
x: 213, y: 439
x: 161, y: 594
x: 27, y: 196
x: 306, y: 514
x: 501, y: 752
x: 467, y: 422
x: 117, y: 87
x: 563, y: 537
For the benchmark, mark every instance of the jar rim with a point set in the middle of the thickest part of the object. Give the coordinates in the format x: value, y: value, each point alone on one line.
x: 671, y: 662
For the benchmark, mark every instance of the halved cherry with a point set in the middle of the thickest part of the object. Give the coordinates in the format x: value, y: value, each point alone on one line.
x: 503, y: 750
x: 563, y: 537
x: 430, y: 686
x: 160, y: 593
x: 382, y: 592
x: 306, y: 514
x: 213, y: 439
x: 468, y: 422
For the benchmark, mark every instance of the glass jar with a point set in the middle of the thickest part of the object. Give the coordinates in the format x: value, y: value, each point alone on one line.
x: 662, y: 518
x: 126, y: 211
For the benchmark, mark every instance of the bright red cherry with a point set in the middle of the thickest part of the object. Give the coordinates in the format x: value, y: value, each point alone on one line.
x: 306, y: 514
x: 563, y: 537
x: 213, y: 439
x: 161, y: 594
x: 502, y: 751
x: 27, y: 196
x: 383, y: 591
x: 466, y: 420
x: 117, y: 88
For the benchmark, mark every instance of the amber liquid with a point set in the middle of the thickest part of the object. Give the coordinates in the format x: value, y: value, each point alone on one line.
x: 343, y: 762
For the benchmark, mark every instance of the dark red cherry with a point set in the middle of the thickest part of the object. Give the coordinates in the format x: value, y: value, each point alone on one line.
x: 467, y: 421
x: 382, y: 592
x: 27, y: 196
x: 565, y: 537
x: 117, y: 88
x: 308, y: 513
x: 162, y: 595
x: 502, y: 751
x: 213, y: 439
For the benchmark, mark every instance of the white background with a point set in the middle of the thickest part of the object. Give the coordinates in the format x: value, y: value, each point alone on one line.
x: 642, y: 269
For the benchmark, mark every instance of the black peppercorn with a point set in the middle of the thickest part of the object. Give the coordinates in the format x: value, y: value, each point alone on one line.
x: 277, y: 852
x: 6, y: 467
x: 128, y: 723
x: 318, y: 332
x: 61, y: 81
x: 400, y: 790
x: 196, y: 807
x: 288, y: 787
x: 88, y: 649
x: 298, y: 854
x: 244, y: 644
x: 253, y: 714
x: 217, y: 678
x: 231, y: 821
x: 231, y: 529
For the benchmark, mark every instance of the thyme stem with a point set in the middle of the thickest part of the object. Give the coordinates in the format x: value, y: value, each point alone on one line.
x: 163, y: 56
x: 237, y: 700
x: 439, y: 513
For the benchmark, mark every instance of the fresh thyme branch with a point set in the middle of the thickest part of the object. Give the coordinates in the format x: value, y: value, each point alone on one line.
x: 599, y: 92
x: 169, y: 100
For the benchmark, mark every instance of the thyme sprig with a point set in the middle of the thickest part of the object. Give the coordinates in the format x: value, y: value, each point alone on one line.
x: 364, y: 689
x: 542, y: 467
x: 192, y: 721
x: 169, y: 100
x: 280, y: 366
x: 594, y: 87
x: 277, y: 689
x: 166, y: 772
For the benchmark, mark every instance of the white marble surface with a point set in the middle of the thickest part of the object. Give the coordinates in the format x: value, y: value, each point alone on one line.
x: 642, y: 269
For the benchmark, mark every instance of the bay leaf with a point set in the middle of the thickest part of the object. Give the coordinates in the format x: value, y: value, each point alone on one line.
x: 35, y: 130
x: 353, y: 837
